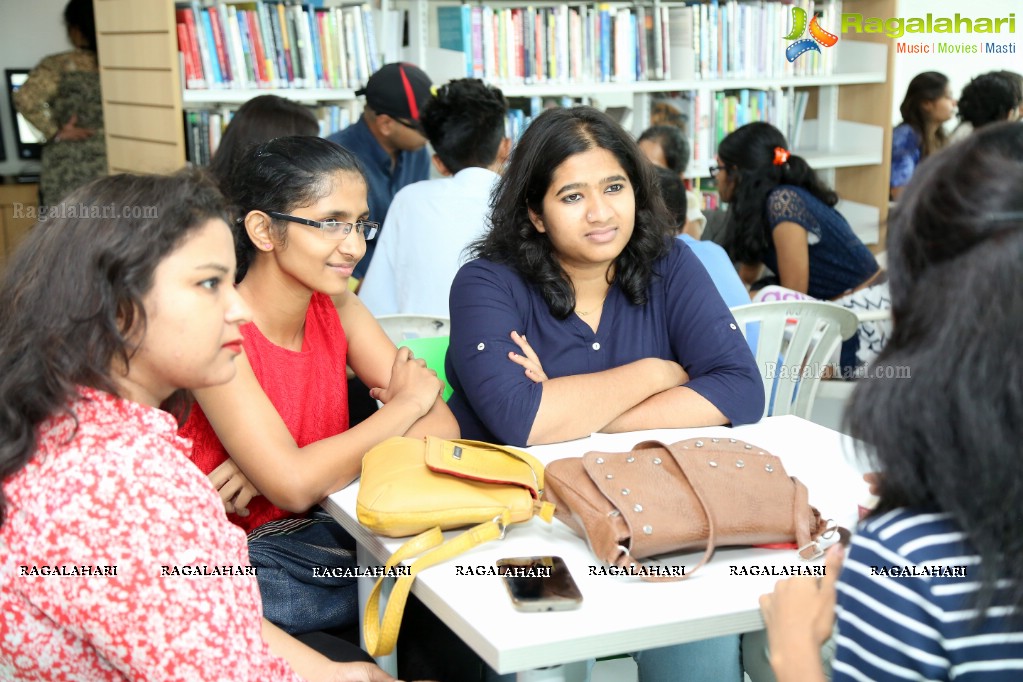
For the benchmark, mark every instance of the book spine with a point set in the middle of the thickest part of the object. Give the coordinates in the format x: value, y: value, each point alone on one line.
x: 186, y: 53
x: 223, y: 58
x: 312, y: 33
x: 371, y: 38
x: 204, y: 47
x: 270, y: 46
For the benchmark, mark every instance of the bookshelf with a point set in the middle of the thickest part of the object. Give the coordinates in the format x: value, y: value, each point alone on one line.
x: 845, y: 135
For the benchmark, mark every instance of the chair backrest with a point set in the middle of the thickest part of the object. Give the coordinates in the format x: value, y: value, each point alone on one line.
x: 401, y: 327
x: 795, y: 344
x: 433, y: 350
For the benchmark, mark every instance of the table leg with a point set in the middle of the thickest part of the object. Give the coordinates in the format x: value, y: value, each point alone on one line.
x: 388, y: 663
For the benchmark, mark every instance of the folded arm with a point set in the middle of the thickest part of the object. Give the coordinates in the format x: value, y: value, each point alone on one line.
x: 295, y: 478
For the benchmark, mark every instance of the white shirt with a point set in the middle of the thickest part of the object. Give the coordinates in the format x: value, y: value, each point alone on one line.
x: 420, y: 247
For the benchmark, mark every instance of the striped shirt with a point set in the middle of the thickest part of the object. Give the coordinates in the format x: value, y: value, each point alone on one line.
x: 905, y: 607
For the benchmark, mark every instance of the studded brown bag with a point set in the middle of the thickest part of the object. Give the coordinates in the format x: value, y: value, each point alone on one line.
x: 700, y: 493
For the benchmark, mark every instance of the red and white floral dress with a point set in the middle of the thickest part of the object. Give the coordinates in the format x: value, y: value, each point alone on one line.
x: 99, y: 528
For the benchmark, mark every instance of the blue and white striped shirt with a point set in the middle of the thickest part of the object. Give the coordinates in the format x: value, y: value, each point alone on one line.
x: 905, y: 607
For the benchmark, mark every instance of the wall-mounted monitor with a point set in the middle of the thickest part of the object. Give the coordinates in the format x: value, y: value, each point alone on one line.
x: 28, y: 141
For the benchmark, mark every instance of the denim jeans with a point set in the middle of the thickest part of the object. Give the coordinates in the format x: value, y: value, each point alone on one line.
x: 285, y: 552
x: 708, y: 660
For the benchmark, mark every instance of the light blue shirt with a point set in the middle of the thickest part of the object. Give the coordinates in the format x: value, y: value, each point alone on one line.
x: 423, y: 241
x: 719, y: 266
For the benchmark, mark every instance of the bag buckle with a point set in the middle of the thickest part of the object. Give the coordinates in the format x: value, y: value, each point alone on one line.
x: 499, y: 520
x: 817, y: 551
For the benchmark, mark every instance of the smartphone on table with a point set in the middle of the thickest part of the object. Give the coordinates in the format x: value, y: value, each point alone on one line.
x: 539, y: 583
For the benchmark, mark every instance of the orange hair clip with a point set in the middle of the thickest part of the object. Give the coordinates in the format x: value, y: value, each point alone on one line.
x: 781, y: 155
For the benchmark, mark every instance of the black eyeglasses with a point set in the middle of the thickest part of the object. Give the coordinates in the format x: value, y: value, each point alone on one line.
x: 333, y: 229
x: 715, y: 169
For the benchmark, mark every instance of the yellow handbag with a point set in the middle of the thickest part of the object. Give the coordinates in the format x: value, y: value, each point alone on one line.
x: 411, y: 486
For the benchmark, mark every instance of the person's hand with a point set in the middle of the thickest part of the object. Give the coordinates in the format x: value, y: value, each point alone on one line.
x: 70, y: 132
x: 873, y: 480
x: 360, y: 672
x: 236, y: 491
x: 528, y: 359
x: 800, y: 613
x: 411, y: 380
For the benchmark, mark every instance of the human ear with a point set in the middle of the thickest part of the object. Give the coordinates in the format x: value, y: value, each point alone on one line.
x: 537, y: 221
x: 257, y: 227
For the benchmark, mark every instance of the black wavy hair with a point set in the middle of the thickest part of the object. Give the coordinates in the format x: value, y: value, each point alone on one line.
x: 748, y: 156
x: 464, y: 122
x: 555, y: 135
x: 78, y: 14
x: 71, y: 299
x: 673, y: 192
x: 925, y: 87
x: 988, y: 98
x: 674, y: 144
x: 948, y: 437
x: 261, y: 119
x: 281, y: 175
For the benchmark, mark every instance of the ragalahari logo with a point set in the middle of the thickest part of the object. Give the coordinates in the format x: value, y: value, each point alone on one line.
x: 818, y: 36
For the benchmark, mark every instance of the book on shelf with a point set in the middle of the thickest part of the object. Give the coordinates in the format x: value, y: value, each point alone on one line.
x: 603, y: 42
x: 204, y: 128
x: 707, y: 117
x: 263, y: 44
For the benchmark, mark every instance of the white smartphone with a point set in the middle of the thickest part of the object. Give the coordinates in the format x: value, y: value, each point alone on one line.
x: 539, y: 583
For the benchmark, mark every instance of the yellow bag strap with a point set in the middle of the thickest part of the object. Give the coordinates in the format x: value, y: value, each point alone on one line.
x: 381, y: 636
x: 533, y: 463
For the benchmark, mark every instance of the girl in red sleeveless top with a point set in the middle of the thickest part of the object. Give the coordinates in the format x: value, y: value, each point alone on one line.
x: 275, y: 440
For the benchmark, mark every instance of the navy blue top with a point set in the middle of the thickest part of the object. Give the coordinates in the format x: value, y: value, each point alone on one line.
x: 384, y: 182
x: 906, y: 152
x: 838, y: 259
x: 684, y: 320
x: 907, y: 601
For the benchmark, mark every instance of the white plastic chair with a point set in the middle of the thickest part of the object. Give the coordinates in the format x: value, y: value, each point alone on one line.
x: 795, y: 344
x: 401, y: 327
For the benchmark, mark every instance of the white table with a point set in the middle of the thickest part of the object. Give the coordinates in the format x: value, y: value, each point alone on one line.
x: 620, y: 614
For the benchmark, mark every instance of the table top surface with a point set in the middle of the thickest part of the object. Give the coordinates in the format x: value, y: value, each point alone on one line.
x: 620, y: 614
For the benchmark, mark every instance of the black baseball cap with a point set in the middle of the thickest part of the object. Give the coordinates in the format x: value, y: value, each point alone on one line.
x: 399, y: 90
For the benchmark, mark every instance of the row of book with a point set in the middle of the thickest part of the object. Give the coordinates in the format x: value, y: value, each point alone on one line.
x: 706, y: 117
x: 613, y: 43
x: 244, y: 45
x: 205, y: 127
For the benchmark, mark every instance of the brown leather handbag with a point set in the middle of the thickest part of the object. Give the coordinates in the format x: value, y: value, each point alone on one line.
x: 694, y: 494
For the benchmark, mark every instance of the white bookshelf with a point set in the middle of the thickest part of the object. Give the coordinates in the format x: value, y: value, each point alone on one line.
x: 233, y: 97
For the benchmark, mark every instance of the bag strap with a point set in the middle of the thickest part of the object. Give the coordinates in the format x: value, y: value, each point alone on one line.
x: 626, y: 560
x: 381, y: 636
x: 534, y: 464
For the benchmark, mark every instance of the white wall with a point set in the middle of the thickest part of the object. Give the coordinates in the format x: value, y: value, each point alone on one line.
x: 29, y: 30
x: 960, y: 69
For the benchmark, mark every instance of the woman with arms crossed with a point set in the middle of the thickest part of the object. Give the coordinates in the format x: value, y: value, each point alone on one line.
x: 93, y: 475
x: 625, y: 328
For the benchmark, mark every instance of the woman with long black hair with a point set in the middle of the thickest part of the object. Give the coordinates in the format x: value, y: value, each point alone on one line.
x: 781, y: 215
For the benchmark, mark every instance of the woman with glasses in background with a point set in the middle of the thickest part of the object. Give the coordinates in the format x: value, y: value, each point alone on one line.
x: 275, y: 440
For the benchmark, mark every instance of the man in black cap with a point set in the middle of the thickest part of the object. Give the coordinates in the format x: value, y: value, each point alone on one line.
x: 388, y: 138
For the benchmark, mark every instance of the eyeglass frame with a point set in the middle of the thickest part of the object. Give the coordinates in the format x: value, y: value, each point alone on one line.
x: 322, y: 225
x: 717, y: 168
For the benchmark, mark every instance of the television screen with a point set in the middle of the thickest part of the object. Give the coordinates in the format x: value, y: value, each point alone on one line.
x: 28, y: 141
